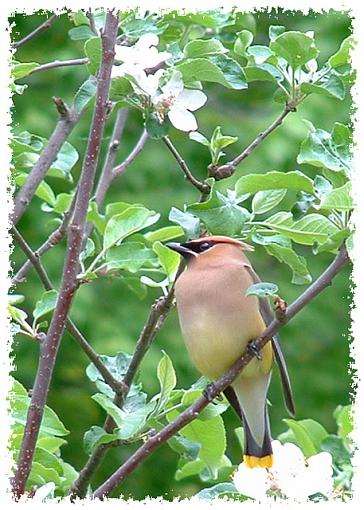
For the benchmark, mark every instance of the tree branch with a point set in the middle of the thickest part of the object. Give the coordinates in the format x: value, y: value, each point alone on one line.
x: 54, y: 239
x: 37, y: 31
x: 214, y: 389
x: 228, y: 169
x: 157, y: 316
x: 115, y: 385
x: 203, y: 187
x: 59, y: 63
x: 67, y: 121
x: 69, y: 283
x: 120, y: 169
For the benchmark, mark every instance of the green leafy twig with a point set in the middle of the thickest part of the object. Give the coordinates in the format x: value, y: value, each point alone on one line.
x: 214, y: 389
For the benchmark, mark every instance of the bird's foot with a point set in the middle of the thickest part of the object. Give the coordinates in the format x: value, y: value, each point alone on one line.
x: 209, y: 392
x: 252, y: 347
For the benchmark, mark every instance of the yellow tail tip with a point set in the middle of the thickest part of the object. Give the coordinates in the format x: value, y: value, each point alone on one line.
x: 263, y: 462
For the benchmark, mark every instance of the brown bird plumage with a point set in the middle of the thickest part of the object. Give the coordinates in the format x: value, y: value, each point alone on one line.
x: 218, y: 321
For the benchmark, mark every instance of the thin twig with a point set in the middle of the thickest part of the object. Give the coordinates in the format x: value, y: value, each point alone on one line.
x: 203, y: 187
x: 120, y: 169
x: 115, y: 385
x: 49, y: 154
x: 37, y: 31
x: 107, y: 176
x: 69, y: 283
x: 91, y: 18
x: 156, y: 318
x: 59, y: 63
x: 226, y: 170
x: 215, y: 388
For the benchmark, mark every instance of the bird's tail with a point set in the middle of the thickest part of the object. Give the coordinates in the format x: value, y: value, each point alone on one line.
x: 254, y: 454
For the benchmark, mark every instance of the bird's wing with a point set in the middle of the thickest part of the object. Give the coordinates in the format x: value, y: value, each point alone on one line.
x: 233, y: 400
x: 266, y: 312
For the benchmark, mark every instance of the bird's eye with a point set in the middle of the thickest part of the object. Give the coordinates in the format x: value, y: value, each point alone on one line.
x: 205, y: 246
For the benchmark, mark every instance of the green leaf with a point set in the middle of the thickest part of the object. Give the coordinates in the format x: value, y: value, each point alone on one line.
x: 263, y: 72
x: 126, y: 223
x: 51, y: 443
x: 344, y: 419
x: 51, y: 424
x: 199, y: 138
x: 95, y: 437
x: 117, y: 365
x: 39, y: 472
x: 46, y: 304
x: 259, y: 54
x: 219, y: 490
x: 308, y: 434
x: 203, y: 48
x: 96, y: 218
x: 167, y: 380
x: 15, y: 299
x: 110, y: 408
x: 295, y: 47
x: 85, y: 94
x: 22, y: 69
x: 129, y: 256
x: 164, y: 234
x: 156, y: 129
x: 93, y: 50
x: 333, y: 242
x: 321, y: 186
x: 119, y: 88
x: 331, y: 86
x: 81, y: 33
x: 137, y: 27
x: 190, y: 468
x: 219, y: 69
x: 264, y: 201
x: 79, y: 18
x: 339, y: 199
x: 168, y: 258
x: 308, y: 230
x: 220, y: 214
x: 336, y: 447
x: 298, y: 264
x: 189, y: 222
x: 328, y: 150
x: 220, y: 141
x: 275, y: 31
x: 262, y: 289
x: 43, y: 191
x: 252, y: 183
x: 243, y: 41
x: 342, y: 56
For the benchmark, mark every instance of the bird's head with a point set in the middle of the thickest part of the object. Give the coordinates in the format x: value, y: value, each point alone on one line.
x: 193, y: 249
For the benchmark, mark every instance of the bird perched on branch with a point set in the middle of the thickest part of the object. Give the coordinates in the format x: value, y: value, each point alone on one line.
x: 218, y: 322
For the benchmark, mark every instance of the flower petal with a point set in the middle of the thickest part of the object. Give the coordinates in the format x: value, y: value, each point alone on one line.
x: 182, y: 119
x: 253, y: 483
x: 146, y: 41
x: 174, y: 85
x: 191, y: 99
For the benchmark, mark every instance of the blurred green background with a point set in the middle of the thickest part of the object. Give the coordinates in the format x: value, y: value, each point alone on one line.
x: 316, y: 342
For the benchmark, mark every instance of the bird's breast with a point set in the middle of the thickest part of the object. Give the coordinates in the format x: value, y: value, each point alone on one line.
x: 217, y: 319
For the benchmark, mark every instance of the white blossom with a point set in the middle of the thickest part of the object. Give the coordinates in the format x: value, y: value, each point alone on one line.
x: 44, y: 492
x: 143, y: 55
x: 291, y: 476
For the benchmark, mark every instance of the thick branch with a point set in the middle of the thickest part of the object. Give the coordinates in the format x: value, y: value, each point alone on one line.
x: 37, y: 31
x: 120, y: 169
x: 224, y: 171
x: 49, y: 154
x: 225, y: 380
x: 203, y: 187
x: 157, y: 316
x: 69, y: 284
x: 59, y: 63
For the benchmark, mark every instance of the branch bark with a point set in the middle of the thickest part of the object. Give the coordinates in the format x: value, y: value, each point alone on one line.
x: 215, y: 388
x: 37, y: 31
x: 203, y: 187
x: 66, y: 123
x: 69, y: 284
x: 59, y: 63
x: 228, y: 169
x: 120, y: 169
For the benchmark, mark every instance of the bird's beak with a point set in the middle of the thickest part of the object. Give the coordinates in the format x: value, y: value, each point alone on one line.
x: 181, y: 249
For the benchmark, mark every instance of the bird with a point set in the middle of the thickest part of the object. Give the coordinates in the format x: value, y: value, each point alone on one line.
x: 219, y: 321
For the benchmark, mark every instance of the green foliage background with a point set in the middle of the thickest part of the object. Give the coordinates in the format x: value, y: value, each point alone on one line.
x: 316, y: 343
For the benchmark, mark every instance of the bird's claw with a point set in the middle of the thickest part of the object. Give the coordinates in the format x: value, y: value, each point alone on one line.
x: 254, y: 350
x: 209, y: 392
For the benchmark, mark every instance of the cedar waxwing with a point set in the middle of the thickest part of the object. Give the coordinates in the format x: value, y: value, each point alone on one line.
x: 218, y: 321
